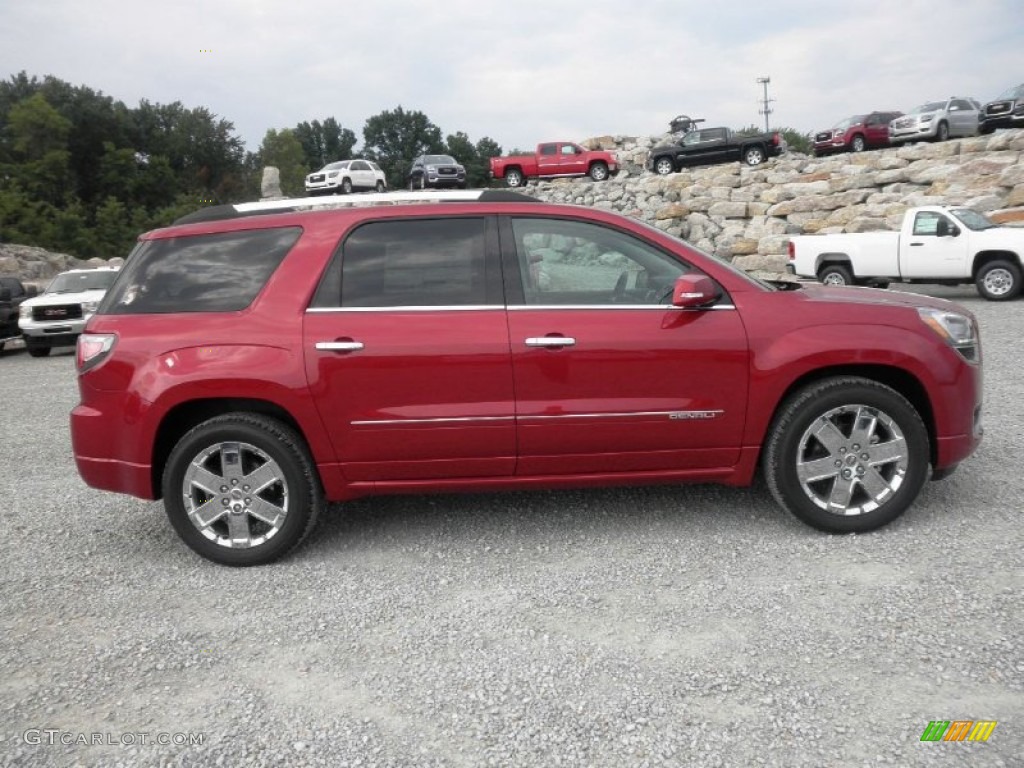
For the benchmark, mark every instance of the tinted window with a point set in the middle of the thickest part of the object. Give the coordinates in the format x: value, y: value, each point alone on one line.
x: 360, y: 165
x: 11, y: 284
x: 417, y: 262
x: 549, y: 149
x: 572, y: 262
x: 200, y: 273
x: 73, y: 282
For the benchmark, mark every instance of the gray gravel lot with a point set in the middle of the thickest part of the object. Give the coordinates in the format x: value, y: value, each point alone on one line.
x: 631, y: 627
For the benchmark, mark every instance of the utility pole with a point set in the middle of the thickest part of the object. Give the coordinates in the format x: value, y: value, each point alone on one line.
x: 765, y: 102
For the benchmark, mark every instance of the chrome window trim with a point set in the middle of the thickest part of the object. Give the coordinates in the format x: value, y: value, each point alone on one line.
x: 411, y: 308
x: 708, y: 413
x: 662, y: 307
x: 513, y: 308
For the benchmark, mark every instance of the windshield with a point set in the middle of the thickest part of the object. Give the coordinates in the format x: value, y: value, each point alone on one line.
x: 335, y: 166
x: 931, y: 106
x: 73, y: 282
x: 1017, y: 92
x: 439, y: 160
x: 972, y: 219
x: 842, y: 125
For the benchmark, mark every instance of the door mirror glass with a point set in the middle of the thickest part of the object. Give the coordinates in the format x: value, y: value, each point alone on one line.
x: 694, y: 290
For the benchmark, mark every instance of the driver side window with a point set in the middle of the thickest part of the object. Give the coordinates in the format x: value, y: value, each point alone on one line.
x: 575, y: 263
x: 926, y: 223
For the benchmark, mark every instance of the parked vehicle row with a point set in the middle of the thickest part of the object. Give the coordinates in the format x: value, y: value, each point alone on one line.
x: 948, y: 245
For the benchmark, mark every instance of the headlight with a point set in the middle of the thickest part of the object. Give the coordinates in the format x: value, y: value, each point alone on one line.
x: 955, y: 329
x: 431, y: 167
x: 331, y: 174
x: 24, y: 313
x: 89, y: 307
x: 926, y: 118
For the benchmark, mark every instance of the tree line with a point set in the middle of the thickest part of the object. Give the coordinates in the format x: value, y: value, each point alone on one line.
x: 82, y: 173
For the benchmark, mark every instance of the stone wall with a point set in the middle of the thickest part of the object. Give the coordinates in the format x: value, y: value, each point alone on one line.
x: 747, y: 214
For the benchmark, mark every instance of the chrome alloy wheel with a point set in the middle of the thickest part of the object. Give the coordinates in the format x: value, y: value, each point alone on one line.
x: 235, y: 495
x: 998, y: 281
x: 833, y: 278
x: 851, y: 460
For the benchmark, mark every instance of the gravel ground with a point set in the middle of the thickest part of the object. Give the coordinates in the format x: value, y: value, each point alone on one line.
x: 636, y: 627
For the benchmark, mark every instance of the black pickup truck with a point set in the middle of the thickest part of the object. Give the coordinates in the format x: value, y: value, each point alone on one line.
x: 12, y: 293
x: 714, y: 145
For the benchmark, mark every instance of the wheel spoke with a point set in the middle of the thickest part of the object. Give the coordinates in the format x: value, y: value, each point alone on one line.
x: 818, y: 469
x: 828, y: 434
x: 260, y: 478
x: 842, y: 492
x: 208, y: 513
x: 875, y: 485
x: 887, y: 452
x: 238, y: 529
x: 269, y: 513
x: 205, y: 479
x: 864, y: 427
x: 231, y: 461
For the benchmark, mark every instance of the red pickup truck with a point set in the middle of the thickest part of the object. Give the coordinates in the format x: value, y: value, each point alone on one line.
x: 555, y: 158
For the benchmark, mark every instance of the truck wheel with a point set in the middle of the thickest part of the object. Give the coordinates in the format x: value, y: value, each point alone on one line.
x: 346, y: 186
x: 514, y: 178
x: 241, y: 490
x: 380, y: 186
x: 835, y: 274
x: 39, y: 351
x: 664, y: 166
x: 846, y: 455
x: 942, y: 133
x: 598, y: 172
x: 857, y: 145
x: 753, y: 155
x: 998, y: 281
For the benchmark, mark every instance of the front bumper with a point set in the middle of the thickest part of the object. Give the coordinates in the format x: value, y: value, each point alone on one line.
x: 61, y: 334
x: 915, y: 132
x: 323, y: 186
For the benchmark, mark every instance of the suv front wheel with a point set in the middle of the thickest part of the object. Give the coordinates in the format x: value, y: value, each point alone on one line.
x: 241, y: 490
x: 846, y: 455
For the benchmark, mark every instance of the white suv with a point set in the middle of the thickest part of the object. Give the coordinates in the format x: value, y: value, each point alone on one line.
x: 345, y: 176
x: 57, y: 316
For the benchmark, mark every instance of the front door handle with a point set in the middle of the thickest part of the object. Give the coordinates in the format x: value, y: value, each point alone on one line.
x: 339, y: 346
x: 914, y: 245
x: 550, y: 341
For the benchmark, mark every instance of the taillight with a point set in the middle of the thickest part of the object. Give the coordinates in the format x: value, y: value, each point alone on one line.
x: 93, y: 349
x: 792, y: 251
x: 775, y: 139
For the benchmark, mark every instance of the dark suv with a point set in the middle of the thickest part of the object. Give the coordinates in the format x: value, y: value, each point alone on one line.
x: 1005, y: 111
x: 855, y: 134
x: 436, y: 171
x: 250, y: 369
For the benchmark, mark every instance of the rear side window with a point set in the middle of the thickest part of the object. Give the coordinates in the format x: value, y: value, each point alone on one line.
x: 412, y: 262
x: 200, y: 273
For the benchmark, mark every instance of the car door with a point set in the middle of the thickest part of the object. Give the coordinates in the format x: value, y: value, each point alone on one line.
x: 407, y: 353
x: 362, y: 176
x: 928, y: 253
x: 876, y: 130
x: 609, y: 377
x: 964, y: 120
x: 571, y: 159
x: 548, y: 160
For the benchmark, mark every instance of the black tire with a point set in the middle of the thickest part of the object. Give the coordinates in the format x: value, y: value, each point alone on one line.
x: 380, y: 186
x: 346, y: 186
x: 880, y: 284
x: 39, y: 351
x: 462, y: 185
x: 514, y: 177
x: 835, y: 274
x: 858, y: 144
x: 985, y: 130
x: 663, y: 166
x: 297, y: 478
x: 999, y: 280
x: 896, y: 477
x: 423, y: 181
x: 754, y: 155
x: 942, y: 132
x: 598, y: 172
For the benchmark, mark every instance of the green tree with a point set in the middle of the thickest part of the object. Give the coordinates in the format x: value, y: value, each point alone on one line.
x: 38, y: 152
x: 394, y: 138
x: 486, y: 148
x: 283, y: 150
x: 796, y: 141
x: 324, y: 143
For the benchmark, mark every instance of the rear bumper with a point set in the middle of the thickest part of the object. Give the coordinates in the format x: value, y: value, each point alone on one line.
x: 96, y: 455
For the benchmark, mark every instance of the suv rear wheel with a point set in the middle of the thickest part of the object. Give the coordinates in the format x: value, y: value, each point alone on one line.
x: 664, y: 166
x: 846, y: 455
x: 240, y: 489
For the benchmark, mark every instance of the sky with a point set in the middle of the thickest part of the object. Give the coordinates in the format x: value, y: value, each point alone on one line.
x: 521, y: 71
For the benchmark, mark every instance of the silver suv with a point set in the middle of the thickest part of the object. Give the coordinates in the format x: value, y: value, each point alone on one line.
x: 938, y: 120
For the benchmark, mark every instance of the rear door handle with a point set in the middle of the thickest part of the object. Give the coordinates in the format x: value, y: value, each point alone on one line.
x: 550, y: 341
x: 914, y: 245
x: 339, y: 346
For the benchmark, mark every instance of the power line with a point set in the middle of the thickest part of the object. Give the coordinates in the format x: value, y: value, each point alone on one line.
x: 765, y: 103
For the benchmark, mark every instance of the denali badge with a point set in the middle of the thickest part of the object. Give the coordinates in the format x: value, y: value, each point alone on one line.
x: 694, y: 414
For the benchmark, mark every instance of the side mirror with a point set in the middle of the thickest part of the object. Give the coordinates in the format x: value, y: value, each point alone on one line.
x: 694, y: 290
x: 942, y: 228
x: 954, y: 230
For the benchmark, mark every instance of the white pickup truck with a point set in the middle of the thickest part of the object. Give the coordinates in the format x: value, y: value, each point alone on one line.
x: 949, y: 245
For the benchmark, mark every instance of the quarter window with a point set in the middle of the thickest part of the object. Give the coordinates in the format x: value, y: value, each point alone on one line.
x: 199, y: 273
x: 575, y: 263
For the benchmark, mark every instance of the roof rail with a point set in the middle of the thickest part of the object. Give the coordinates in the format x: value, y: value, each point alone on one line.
x: 219, y: 212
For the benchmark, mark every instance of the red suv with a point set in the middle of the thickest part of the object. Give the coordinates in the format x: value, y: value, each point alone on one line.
x: 855, y: 134
x: 248, y: 369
